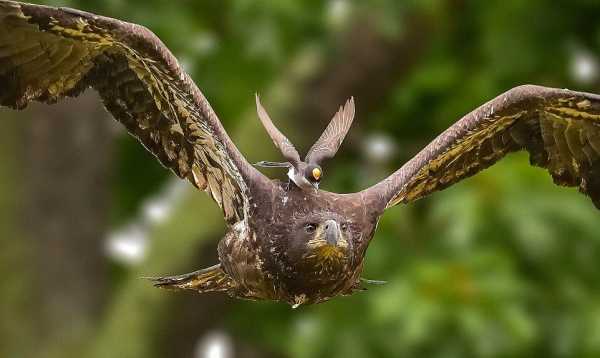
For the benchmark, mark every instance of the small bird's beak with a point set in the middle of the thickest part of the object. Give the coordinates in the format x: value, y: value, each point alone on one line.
x: 332, y: 232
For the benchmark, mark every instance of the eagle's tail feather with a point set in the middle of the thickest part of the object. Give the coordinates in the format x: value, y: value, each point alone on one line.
x: 210, y: 279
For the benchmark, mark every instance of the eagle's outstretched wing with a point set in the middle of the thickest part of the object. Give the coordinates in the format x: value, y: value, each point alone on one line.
x: 48, y: 53
x: 329, y: 142
x: 279, y: 139
x: 559, y: 128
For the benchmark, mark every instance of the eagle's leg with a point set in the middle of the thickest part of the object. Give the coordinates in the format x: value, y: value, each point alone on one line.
x: 372, y: 282
x: 210, y: 279
x: 361, y: 285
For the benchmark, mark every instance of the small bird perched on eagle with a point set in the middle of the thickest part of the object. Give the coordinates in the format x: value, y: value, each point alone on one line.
x: 306, y: 174
x: 292, y: 243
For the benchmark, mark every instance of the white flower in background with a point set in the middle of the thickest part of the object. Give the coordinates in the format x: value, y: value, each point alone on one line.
x: 584, y: 66
x: 129, y: 243
x: 307, y: 326
x: 338, y: 13
x: 158, y: 208
x: 204, y: 44
x: 215, y: 344
x: 379, y: 148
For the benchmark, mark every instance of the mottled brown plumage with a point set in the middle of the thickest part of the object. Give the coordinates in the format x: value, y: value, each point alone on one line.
x: 283, y: 242
x: 559, y: 128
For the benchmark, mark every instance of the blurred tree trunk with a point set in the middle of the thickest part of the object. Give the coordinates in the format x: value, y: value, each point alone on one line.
x: 67, y: 162
x: 16, y: 293
x: 366, y: 65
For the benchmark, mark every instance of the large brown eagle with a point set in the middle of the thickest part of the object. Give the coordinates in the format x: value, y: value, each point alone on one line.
x: 291, y: 243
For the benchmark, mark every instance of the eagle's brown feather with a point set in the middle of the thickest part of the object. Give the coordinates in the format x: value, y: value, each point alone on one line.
x: 210, y: 279
x: 559, y: 128
x: 48, y: 53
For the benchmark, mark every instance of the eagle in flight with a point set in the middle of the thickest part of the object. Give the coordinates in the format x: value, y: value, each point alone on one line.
x: 291, y: 243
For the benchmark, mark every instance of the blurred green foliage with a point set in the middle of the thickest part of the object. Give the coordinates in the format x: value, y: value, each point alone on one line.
x: 503, y: 264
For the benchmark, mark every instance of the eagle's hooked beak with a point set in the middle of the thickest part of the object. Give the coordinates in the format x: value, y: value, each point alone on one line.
x: 332, y: 232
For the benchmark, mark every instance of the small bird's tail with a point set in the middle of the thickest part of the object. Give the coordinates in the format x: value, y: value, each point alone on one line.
x: 210, y: 279
x: 266, y: 164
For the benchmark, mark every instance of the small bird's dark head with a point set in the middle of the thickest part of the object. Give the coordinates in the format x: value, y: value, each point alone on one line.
x: 313, y: 173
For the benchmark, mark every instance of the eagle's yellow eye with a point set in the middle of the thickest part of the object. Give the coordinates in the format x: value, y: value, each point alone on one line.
x: 316, y: 172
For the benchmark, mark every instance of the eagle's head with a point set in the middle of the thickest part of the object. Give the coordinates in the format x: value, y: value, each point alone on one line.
x: 325, y: 241
x: 320, y: 254
x: 313, y: 243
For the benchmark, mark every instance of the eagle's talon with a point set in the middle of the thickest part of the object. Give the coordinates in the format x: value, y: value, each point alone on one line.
x: 373, y: 282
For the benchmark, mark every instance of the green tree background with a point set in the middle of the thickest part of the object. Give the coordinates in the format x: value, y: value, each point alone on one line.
x: 503, y: 264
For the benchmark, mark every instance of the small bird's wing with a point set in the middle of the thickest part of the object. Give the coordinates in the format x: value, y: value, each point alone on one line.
x: 559, y: 128
x: 329, y: 142
x: 281, y: 142
x: 48, y: 53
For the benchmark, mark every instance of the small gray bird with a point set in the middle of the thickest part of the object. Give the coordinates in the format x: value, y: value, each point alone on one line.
x: 307, y: 174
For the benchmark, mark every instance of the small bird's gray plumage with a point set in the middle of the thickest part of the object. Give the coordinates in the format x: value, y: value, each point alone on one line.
x: 307, y: 174
x: 282, y: 243
x: 329, y: 142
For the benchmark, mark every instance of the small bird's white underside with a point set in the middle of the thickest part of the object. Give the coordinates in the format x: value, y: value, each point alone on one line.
x: 299, y: 179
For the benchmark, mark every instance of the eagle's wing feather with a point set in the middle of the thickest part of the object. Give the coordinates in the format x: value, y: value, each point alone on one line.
x: 559, y: 128
x: 48, y: 53
x: 279, y: 139
x: 329, y: 142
